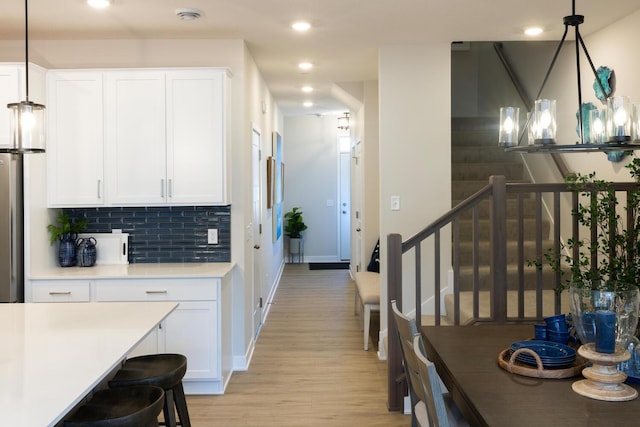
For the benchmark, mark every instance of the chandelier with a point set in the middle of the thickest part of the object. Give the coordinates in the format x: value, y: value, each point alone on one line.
x: 616, y: 128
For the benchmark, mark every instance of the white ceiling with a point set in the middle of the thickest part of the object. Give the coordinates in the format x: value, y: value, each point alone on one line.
x: 342, y: 43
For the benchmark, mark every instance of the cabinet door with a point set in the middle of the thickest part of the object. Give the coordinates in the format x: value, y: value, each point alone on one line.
x: 9, y: 92
x: 196, y: 137
x: 75, y: 167
x: 149, y: 345
x: 192, y: 330
x: 135, y: 135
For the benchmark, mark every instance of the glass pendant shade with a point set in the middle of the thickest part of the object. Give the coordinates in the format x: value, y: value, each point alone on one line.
x: 635, y: 124
x: 509, y: 126
x: 26, y: 124
x: 619, y: 119
x: 545, y: 121
x: 597, y: 127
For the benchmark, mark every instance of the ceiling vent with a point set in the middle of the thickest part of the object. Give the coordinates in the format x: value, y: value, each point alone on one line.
x: 188, y: 14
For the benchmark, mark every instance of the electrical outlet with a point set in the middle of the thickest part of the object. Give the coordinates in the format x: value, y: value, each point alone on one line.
x: 212, y: 236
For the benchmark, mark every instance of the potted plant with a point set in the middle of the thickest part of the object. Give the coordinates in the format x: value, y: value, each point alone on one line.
x: 610, y: 283
x: 293, y: 228
x: 66, y: 231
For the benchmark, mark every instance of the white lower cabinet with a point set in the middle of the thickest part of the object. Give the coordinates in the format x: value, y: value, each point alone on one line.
x: 196, y: 328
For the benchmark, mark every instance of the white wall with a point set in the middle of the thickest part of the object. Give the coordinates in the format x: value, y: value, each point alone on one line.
x: 310, y: 155
x: 415, y: 148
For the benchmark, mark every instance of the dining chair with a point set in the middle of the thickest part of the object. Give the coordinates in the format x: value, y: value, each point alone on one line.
x: 407, y: 330
x: 431, y: 406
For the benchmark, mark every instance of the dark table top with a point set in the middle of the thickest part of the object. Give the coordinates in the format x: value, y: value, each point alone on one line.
x: 466, y: 358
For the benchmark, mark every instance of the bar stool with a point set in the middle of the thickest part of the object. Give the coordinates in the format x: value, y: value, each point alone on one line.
x: 123, y: 407
x: 162, y: 370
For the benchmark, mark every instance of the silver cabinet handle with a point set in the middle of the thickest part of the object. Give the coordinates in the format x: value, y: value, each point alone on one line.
x: 99, y: 189
x: 170, y: 188
x: 156, y: 292
x: 59, y: 292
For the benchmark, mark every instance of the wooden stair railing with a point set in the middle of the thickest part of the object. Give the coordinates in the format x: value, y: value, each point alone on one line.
x: 558, y: 200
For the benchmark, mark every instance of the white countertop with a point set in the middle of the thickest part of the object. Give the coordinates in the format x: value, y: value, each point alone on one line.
x: 144, y: 270
x: 55, y: 354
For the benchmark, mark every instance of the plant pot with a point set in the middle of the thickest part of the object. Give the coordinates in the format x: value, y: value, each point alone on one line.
x: 585, y: 303
x: 294, y: 245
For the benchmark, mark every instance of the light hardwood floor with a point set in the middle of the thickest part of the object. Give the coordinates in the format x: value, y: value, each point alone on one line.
x: 309, y: 367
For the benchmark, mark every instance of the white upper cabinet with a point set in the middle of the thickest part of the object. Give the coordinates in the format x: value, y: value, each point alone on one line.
x: 135, y: 135
x: 164, y: 134
x: 196, y: 168
x: 75, y: 148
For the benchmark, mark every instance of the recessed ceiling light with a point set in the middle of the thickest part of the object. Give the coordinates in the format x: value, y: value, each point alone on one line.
x: 188, y: 14
x: 99, y: 4
x: 301, y: 26
x: 308, y: 104
x: 305, y: 65
x: 307, y: 89
x: 533, y: 31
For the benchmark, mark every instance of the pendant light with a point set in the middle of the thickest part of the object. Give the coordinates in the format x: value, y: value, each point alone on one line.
x: 540, y: 124
x: 26, y: 117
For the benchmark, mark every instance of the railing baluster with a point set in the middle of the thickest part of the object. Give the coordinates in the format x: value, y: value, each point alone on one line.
x: 520, y: 255
x: 436, y: 281
x: 456, y: 269
x: 498, y: 267
x: 476, y: 263
x: 418, y: 289
x: 556, y: 248
x: 539, y: 284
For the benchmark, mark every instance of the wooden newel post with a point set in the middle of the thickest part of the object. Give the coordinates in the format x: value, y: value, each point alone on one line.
x: 396, y: 388
x: 498, y: 216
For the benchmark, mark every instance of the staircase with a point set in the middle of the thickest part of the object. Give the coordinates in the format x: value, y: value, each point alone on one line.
x: 475, y: 156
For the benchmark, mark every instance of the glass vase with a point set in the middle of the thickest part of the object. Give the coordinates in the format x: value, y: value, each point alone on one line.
x: 585, y: 302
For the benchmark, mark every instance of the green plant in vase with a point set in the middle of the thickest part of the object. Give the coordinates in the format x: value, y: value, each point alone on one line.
x: 65, y: 232
x: 601, y: 270
x: 295, y: 224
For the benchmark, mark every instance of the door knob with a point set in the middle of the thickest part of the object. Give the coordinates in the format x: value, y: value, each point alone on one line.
x: 256, y: 246
x: 357, y: 229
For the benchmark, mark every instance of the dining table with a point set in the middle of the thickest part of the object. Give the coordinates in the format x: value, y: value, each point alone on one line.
x: 55, y: 354
x: 466, y: 358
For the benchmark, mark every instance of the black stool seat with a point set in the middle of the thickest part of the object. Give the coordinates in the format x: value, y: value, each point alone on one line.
x: 161, y: 370
x: 121, y: 407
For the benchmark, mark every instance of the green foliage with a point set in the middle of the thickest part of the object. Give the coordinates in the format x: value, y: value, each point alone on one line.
x: 65, y: 227
x: 615, y: 244
x: 295, y: 224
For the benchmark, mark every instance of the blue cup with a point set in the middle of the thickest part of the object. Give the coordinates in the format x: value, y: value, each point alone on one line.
x: 557, y: 323
x: 560, y: 337
x: 540, y: 332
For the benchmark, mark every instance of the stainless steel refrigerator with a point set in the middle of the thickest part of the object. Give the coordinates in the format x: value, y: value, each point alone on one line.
x: 11, y: 229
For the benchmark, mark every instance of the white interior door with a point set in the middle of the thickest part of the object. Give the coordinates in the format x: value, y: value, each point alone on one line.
x: 256, y: 231
x: 356, y: 152
x: 345, y: 206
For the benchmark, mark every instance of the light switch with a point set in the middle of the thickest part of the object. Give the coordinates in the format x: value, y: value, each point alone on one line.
x: 395, y: 203
x: 212, y: 236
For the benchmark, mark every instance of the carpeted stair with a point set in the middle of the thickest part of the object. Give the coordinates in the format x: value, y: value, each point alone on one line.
x: 475, y: 156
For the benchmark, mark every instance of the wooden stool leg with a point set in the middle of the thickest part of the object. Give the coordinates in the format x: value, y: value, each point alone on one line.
x: 181, y: 405
x: 169, y: 413
x: 367, y: 321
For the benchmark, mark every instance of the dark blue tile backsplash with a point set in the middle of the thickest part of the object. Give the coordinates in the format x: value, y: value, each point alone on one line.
x: 165, y: 234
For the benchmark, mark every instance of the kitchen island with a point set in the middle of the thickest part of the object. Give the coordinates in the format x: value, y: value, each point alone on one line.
x: 55, y: 354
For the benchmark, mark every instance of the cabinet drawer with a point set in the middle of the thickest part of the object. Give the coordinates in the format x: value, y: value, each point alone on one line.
x: 157, y: 290
x: 60, y: 291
